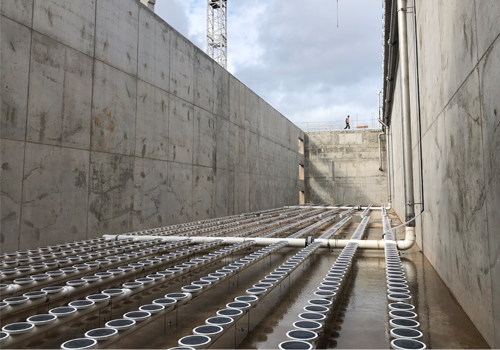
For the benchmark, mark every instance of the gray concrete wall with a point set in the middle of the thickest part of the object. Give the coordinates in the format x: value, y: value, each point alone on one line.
x: 459, y: 67
x: 112, y: 122
x: 343, y: 168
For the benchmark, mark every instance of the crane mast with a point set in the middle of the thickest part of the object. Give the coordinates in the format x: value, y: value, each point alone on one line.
x: 217, y: 31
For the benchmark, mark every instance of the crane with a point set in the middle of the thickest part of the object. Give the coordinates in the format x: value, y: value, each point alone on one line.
x: 217, y: 31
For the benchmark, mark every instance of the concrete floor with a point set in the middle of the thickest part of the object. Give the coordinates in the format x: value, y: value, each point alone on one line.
x: 362, y: 318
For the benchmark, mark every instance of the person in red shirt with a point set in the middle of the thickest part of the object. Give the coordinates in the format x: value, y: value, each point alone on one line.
x: 347, y: 126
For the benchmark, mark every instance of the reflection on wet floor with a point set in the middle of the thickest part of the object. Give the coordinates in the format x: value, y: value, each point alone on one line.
x: 361, y: 318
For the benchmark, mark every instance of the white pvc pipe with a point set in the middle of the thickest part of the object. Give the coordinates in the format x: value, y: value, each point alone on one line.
x: 406, y: 110
x: 292, y: 242
x: 332, y: 207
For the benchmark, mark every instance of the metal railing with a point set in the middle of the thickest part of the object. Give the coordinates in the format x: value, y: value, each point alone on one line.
x: 364, y: 124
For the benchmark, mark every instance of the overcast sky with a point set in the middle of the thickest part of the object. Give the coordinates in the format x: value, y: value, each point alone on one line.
x: 291, y: 53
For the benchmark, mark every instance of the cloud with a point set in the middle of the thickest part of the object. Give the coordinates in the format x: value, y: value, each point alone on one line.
x: 292, y: 54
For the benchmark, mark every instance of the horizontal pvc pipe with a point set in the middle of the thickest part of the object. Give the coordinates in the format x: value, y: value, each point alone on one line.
x: 291, y: 242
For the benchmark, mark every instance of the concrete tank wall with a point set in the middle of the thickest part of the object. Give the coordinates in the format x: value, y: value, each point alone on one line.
x: 112, y: 122
x: 343, y: 168
x: 459, y: 69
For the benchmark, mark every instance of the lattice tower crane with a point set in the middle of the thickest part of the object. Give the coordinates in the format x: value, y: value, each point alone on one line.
x: 217, y: 31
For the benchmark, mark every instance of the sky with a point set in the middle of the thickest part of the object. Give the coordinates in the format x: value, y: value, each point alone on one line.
x: 293, y: 55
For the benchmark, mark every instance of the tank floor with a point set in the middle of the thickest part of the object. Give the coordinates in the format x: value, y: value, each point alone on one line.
x: 360, y: 319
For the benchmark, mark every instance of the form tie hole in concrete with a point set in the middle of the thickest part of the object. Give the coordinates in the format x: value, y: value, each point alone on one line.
x: 121, y: 324
x: 81, y: 343
x: 302, y: 334
x: 41, y: 319
x: 408, y: 333
x: 18, y: 328
x: 407, y: 344
x: 295, y: 344
x: 3, y: 305
x: 195, y: 341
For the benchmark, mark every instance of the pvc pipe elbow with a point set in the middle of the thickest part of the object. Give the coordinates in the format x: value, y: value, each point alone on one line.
x: 409, y: 240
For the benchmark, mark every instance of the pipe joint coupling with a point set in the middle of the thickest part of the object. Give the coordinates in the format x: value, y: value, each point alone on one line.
x: 409, y: 220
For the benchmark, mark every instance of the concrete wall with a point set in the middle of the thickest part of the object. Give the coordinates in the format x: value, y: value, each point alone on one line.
x: 343, y: 168
x: 112, y: 122
x: 459, y: 68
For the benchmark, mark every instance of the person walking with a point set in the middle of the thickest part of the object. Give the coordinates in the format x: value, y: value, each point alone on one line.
x: 347, y: 126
